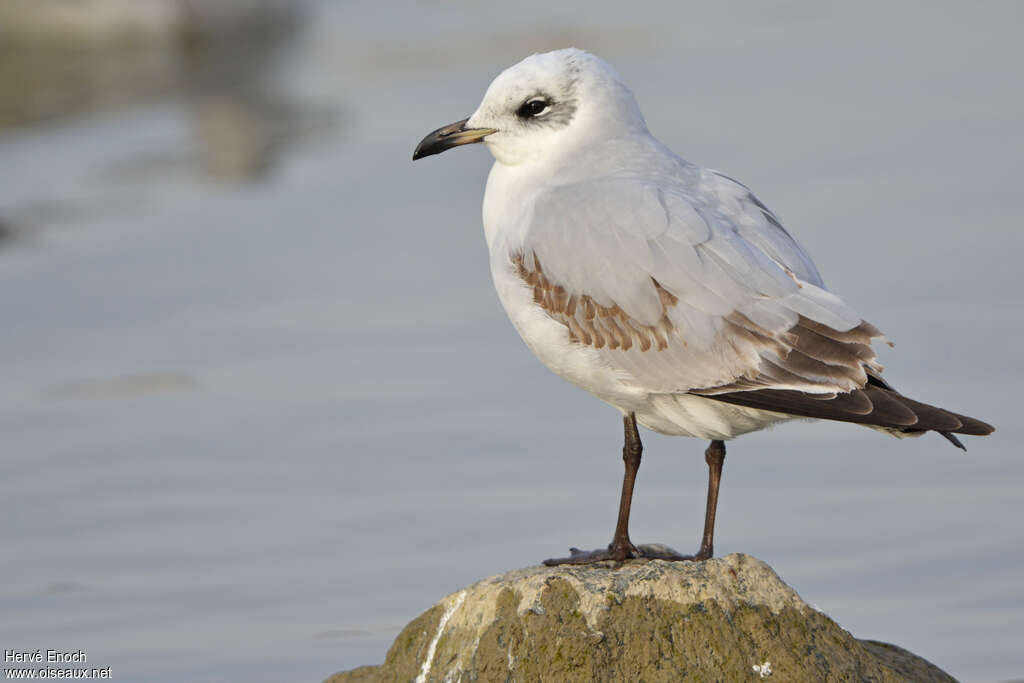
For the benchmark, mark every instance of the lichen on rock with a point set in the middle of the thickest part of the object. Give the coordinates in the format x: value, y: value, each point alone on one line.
x: 728, y: 618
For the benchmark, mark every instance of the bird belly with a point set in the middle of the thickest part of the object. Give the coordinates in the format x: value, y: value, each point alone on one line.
x: 674, y: 414
x: 690, y: 415
x: 549, y: 340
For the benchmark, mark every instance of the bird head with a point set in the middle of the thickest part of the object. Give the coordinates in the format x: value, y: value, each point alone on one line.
x: 546, y: 105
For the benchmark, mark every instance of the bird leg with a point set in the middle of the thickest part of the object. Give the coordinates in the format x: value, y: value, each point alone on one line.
x: 714, y: 456
x: 621, y: 548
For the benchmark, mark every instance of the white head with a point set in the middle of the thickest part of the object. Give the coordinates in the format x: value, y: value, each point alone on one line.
x: 547, y: 104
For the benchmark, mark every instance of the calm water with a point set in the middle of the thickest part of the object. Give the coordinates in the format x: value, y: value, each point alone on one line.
x: 261, y: 406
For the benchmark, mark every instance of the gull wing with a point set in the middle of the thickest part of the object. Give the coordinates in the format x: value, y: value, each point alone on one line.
x: 696, y: 287
x: 689, y: 284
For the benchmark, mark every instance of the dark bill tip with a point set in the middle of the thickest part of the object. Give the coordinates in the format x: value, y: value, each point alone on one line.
x: 449, y: 136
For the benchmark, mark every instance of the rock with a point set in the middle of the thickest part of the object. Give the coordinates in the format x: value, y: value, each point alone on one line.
x: 727, y: 619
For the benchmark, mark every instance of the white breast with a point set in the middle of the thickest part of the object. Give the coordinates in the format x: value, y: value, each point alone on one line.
x: 549, y: 340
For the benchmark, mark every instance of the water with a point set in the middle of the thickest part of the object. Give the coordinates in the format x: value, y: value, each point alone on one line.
x: 259, y: 413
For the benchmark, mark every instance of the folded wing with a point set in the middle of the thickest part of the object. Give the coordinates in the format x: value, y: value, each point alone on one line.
x: 690, y: 285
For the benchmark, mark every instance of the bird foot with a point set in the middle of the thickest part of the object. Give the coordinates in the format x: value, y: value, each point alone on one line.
x: 652, y: 551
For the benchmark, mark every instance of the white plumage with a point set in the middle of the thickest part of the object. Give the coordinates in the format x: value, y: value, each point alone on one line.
x: 665, y: 289
x: 608, y: 210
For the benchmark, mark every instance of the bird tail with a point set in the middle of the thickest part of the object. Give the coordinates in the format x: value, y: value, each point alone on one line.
x: 877, y: 405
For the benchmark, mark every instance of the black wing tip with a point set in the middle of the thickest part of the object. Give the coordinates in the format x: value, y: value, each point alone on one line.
x: 974, y: 427
x: 888, y: 409
x: 953, y: 440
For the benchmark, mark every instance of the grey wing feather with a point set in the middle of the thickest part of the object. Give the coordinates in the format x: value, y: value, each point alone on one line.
x: 691, y: 284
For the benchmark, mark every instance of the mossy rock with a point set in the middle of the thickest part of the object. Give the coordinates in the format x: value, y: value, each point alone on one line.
x: 727, y: 619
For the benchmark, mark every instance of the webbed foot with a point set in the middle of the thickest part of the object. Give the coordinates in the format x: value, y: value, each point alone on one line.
x: 652, y: 551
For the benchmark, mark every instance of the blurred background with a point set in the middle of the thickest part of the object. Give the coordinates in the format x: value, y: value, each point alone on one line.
x: 261, y: 407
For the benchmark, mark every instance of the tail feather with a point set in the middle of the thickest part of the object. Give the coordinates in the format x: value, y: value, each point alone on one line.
x: 953, y: 440
x: 889, y: 409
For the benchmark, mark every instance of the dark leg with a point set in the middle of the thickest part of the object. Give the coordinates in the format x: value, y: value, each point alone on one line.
x: 715, y: 457
x: 621, y: 548
x: 632, y: 449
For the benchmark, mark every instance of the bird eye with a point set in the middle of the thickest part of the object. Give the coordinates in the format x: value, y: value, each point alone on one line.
x: 533, y: 108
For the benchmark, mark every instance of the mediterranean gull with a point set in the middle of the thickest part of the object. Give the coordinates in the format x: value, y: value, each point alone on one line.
x: 665, y: 289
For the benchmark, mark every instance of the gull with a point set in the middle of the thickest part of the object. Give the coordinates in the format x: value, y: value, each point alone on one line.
x: 666, y: 289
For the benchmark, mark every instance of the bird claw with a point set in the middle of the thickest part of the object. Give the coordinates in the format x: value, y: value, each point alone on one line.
x: 646, y: 552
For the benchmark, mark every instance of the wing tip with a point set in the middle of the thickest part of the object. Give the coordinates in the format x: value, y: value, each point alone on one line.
x: 953, y: 440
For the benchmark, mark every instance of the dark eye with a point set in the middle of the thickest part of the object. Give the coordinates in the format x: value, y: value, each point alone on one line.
x: 533, y: 107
